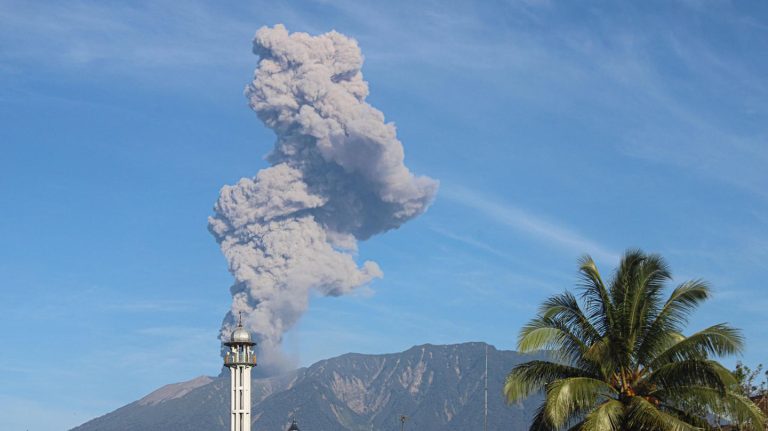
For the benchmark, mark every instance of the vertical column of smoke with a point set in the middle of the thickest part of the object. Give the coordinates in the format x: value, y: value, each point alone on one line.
x: 337, y: 176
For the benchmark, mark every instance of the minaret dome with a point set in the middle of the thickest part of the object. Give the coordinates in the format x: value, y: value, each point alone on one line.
x: 241, y: 336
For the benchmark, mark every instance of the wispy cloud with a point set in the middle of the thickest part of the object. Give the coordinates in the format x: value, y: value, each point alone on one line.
x: 673, y: 98
x: 477, y: 244
x: 153, y: 306
x: 669, y: 96
x: 527, y: 223
x: 120, y: 38
x: 200, y: 334
x: 545, y: 276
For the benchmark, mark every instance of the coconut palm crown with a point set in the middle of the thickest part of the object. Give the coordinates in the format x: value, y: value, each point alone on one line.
x: 619, y: 360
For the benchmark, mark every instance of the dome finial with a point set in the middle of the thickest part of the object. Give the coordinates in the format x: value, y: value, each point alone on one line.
x: 239, y: 319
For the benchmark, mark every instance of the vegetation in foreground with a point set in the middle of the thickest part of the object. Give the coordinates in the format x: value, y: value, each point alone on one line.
x: 620, y: 359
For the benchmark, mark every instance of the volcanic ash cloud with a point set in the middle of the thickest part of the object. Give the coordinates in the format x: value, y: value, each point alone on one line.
x: 337, y: 176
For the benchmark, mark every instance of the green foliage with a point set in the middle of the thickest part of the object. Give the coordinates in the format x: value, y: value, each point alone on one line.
x: 620, y: 360
x: 745, y: 379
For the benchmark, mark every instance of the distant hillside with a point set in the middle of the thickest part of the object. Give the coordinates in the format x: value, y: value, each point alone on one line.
x: 437, y: 387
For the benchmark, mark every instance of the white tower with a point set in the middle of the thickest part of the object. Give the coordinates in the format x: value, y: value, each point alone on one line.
x: 240, y: 359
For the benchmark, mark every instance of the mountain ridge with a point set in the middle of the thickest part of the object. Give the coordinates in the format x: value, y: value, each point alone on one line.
x: 439, y: 387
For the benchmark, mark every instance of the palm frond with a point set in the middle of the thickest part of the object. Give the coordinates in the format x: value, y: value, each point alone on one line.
x: 717, y: 340
x: 628, y: 299
x: 671, y: 318
x: 623, y: 281
x: 694, y: 416
x: 597, y: 302
x: 578, y: 426
x: 565, y: 308
x: 533, y: 376
x: 651, y: 274
x: 683, y: 300
x: 606, y: 417
x: 729, y: 405
x: 656, y: 340
x: 599, y: 354
x: 692, y: 372
x: 567, y: 396
x: 643, y: 415
x: 541, y: 422
x: 543, y: 333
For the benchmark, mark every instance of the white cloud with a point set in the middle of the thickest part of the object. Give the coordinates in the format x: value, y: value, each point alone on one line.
x: 532, y: 225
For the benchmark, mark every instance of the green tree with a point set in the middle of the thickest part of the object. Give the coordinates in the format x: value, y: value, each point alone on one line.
x: 620, y: 360
x: 746, y: 384
x: 745, y: 378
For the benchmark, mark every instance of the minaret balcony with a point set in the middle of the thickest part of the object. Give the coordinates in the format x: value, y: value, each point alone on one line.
x: 244, y: 359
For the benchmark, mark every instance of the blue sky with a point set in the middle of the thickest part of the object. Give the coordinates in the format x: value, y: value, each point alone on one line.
x: 555, y: 129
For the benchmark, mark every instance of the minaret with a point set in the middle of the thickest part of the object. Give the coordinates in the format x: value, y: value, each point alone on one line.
x: 240, y: 359
x: 485, y: 405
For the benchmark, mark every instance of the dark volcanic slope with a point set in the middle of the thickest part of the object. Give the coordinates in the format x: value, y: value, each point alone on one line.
x: 437, y: 387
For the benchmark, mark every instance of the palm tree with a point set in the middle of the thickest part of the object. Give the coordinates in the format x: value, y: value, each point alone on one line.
x: 619, y: 360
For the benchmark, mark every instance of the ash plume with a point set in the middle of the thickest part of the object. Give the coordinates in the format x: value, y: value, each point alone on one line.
x: 337, y: 176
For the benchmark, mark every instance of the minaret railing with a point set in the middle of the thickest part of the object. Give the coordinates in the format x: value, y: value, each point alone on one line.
x: 240, y: 359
